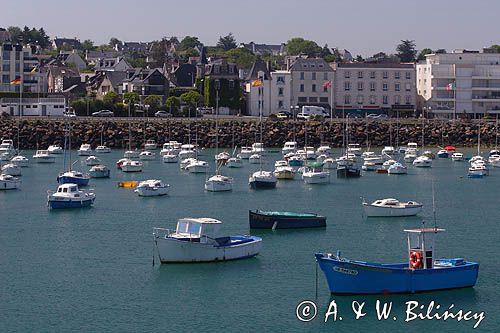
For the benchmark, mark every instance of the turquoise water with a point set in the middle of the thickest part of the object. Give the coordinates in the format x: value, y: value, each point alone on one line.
x: 91, y: 270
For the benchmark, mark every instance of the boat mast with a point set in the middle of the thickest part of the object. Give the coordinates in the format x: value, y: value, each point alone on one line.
x: 496, y: 133
x: 423, y: 132
x: 217, y: 128
x: 129, y: 128
x: 479, y: 138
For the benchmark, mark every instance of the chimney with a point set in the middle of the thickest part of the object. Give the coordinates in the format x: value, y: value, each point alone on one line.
x: 288, y: 64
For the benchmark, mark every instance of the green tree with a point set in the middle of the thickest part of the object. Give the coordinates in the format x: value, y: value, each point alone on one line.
x: 438, y: 51
x: 191, y: 53
x: 242, y: 57
x: 227, y: 42
x: 215, y: 51
x: 154, y: 102
x: 299, y: 45
x: 421, y: 55
x: 189, y: 42
x: 110, y: 99
x: 16, y: 34
x: 407, y: 50
x: 130, y: 97
x: 88, y: 45
x: 192, y: 98
x: 173, y: 103
x: 113, y: 41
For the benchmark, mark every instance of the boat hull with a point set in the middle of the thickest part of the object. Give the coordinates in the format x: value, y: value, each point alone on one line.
x: 264, y: 221
x: 99, y: 174
x: 62, y: 204
x: 171, y: 250
x: 345, y: 172
x: 375, y: 211
x: 257, y: 184
x: 73, y: 180
x: 356, y: 277
x: 317, y: 178
x: 151, y: 192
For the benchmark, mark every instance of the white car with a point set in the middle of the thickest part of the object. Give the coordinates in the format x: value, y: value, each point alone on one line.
x: 163, y: 114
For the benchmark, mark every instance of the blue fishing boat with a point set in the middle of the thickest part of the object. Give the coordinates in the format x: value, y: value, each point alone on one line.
x: 69, y: 196
x: 73, y: 177
x: 284, y: 220
x: 422, y: 272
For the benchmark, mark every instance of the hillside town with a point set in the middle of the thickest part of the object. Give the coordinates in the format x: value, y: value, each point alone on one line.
x: 47, y: 76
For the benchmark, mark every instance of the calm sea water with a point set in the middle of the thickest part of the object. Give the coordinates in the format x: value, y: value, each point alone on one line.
x: 91, y: 270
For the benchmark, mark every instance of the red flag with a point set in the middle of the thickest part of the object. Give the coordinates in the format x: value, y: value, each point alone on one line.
x: 327, y: 84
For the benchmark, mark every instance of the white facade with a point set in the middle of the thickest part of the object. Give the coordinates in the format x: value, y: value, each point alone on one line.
x: 281, y: 91
x: 259, y: 98
x: 33, y: 106
x: 375, y: 87
x: 18, y: 61
x: 475, y: 77
x: 307, y: 84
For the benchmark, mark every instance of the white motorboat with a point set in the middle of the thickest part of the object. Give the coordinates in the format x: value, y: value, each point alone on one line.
x: 171, y: 147
x: 254, y: 159
x: 346, y: 159
x: 245, y: 153
x: 55, y: 149
x: 120, y: 162
x: 373, y: 158
x: 131, y: 154
x: 198, y: 240
x: 43, y: 156
x: 170, y: 158
x: 131, y: 166
x: 280, y: 163
x: 478, y: 169
x: 151, y: 188
x: 422, y: 162
x: 476, y: 158
x: 85, y: 150
x: 369, y: 166
x: 410, y: 155
x: 234, y: 162
x: 412, y: 146
x: 186, y: 153
x: 354, y: 148
x: 321, y: 158
x: 11, y: 169
x: 7, y: 150
x: 313, y: 174
x: 307, y: 153
x: 219, y: 183
x: 494, y: 161
x: 289, y: 147
x: 8, y: 182
x: 69, y: 196
x: 391, y: 208
x: 150, y: 145
x: 197, y: 166
x: 258, y: 148
x: 99, y: 171
x: 457, y: 157
x: 388, y: 150
x: 20, y: 160
x: 221, y: 158
x: 92, y: 160
x: 397, y: 169
x: 430, y: 154
x: 102, y: 150
x: 147, y: 155
x: 387, y: 164
x: 284, y: 172
x: 184, y: 163
x: 324, y: 150
x: 262, y: 179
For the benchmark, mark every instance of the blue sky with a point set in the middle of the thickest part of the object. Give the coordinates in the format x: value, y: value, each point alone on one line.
x: 363, y: 27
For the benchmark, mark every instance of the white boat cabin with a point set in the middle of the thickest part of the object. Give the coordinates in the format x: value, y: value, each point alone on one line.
x: 196, y: 228
x: 421, y: 248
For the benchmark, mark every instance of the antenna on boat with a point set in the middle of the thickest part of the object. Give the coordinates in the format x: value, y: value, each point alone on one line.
x: 316, y: 283
x: 434, y: 208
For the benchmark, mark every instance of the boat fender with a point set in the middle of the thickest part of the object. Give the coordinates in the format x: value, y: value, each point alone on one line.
x: 415, y: 259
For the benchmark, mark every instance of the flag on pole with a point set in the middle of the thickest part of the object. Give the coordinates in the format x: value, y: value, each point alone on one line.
x: 17, y: 80
x: 327, y: 84
x: 450, y: 86
x: 256, y: 83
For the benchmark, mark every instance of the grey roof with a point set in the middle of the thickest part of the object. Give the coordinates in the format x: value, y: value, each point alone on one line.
x: 73, y: 42
x: 95, y: 55
x: 116, y: 77
x: 310, y: 65
x: 265, y: 48
x: 62, y: 71
x: 258, y: 66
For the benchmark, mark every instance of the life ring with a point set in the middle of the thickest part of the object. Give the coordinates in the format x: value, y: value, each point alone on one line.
x: 415, y: 259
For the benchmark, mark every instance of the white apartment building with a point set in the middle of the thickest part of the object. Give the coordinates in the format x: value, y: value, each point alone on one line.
x: 52, y: 106
x: 462, y: 83
x: 18, y: 61
x: 281, y: 91
x: 308, y: 77
x: 375, y: 88
x: 259, y: 96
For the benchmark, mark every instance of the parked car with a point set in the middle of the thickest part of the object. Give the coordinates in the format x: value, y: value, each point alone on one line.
x: 205, y: 110
x: 282, y: 115
x: 163, y: 114
x: 69, y: 114
x: 103, y: 113
x: 377, y: 116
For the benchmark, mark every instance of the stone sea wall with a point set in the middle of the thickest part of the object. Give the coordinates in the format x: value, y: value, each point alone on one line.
x: 44, y: 132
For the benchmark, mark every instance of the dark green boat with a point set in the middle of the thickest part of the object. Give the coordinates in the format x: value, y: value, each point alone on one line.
x: 285, y: 220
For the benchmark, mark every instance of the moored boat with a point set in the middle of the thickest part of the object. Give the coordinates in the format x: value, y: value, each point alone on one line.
x: 314, y: 174
x: 55, y: 149
x: 92, y: 160
x: 151, y: 188
x: 198, y: 240
x: 391, y: 207
x: 457, y: 157
x: 99, y: 171
x: 421, y: 273
x: 147, y: 155
x: 69, y: 196
x: 219, y: 183
x: 131, y: 166
x: 85, y: 150
x: 262, y: 179
x: 284, y: 220
x: 102, y: 149
x: 11, y: 169
x: 20, y: 160
x: 73, y: 177
x: 43, y: 156
x: 8, y: 182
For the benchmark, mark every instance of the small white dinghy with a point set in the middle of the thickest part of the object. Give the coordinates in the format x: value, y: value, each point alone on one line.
x: 151, y: 188
x: 198, y: 240
x: 391, y: 207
